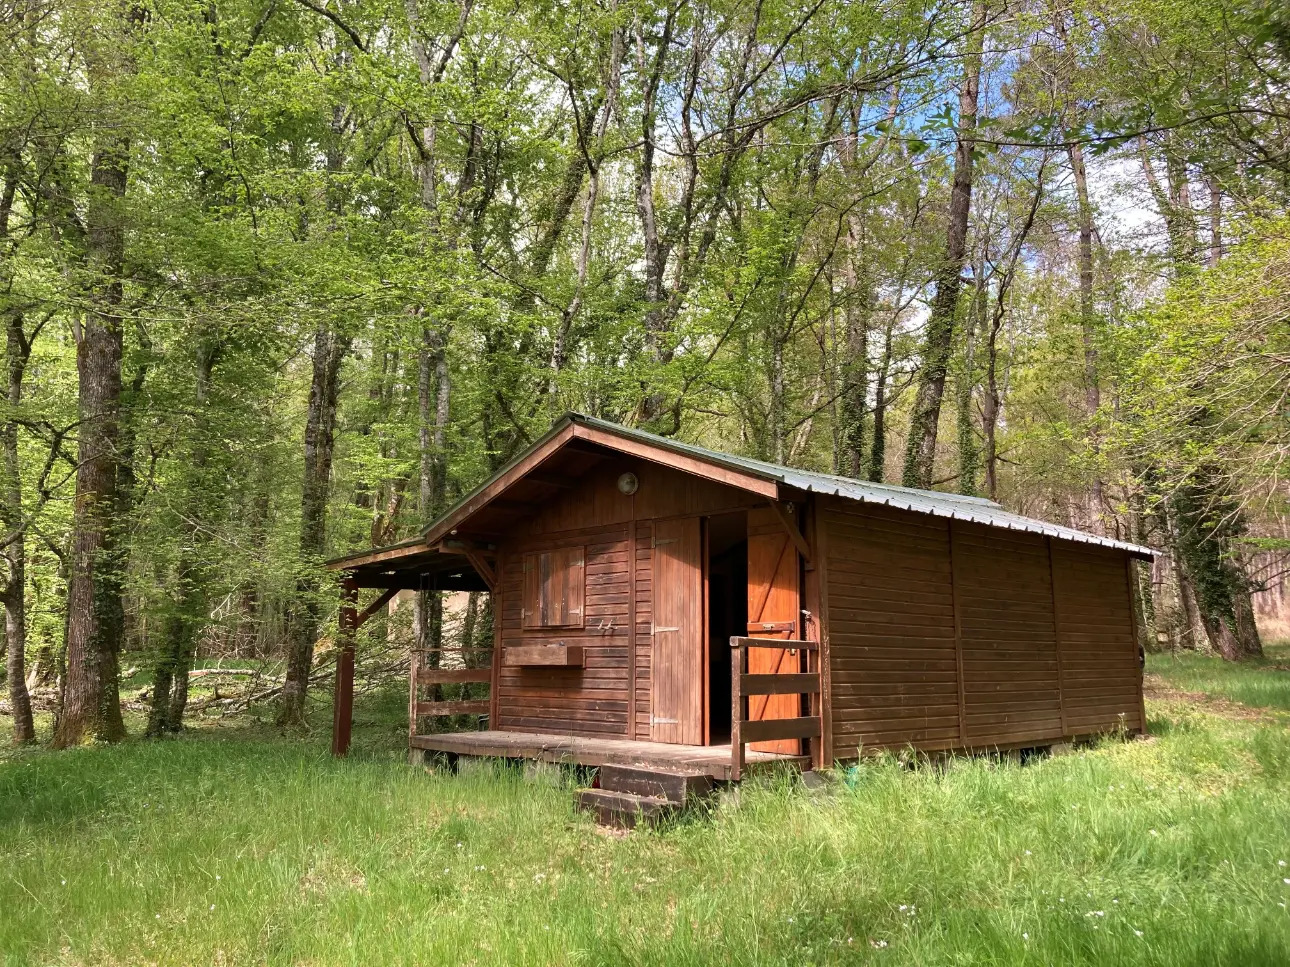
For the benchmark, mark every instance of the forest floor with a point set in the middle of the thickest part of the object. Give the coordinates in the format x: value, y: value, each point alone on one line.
x: 238, y: 845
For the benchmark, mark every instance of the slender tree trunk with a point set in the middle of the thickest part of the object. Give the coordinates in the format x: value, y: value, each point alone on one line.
x: 878, y: 446
x: 188, y: 616
x: 320, y: 432
x: 434, y: 404
x: 1215, y: 221
x: 15, y: 605
x: 249, y: 606
x: 1088, y: 327
x: 17, y: 351
x: 15, y: 589
x: 969, y: 452
x: 920, y: 452
x: 91, y: 703
x: 990, y: 411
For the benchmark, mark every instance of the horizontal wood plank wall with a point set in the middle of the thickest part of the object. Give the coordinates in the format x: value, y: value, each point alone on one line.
x: 891, y: 628
x: 1100, y: 667
x: 1032, y: 672
x: 591, y: 700
x: 644, y: 639
x: 1011, y: 678
x: 596, y: 700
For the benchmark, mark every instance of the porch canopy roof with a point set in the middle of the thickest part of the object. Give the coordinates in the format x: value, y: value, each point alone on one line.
x: 454, y: 552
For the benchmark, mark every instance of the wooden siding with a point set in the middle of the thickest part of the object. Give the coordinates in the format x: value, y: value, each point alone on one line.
x: 1004, y: 594
x: 948, y: 634
x: 610, y: 695
x: 891, y: 628
x: 644, y: 625
x: 593, y: 699
x: 1101, y: 671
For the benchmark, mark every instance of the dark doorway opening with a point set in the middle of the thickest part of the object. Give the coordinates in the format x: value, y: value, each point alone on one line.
x: 727, y: 612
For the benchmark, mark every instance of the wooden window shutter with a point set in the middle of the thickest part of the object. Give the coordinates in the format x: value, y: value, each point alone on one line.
x: 554, y: 588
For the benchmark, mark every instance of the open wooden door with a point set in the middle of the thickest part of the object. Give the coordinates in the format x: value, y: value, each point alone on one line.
x: 676, y: 664
x: 774, y: 611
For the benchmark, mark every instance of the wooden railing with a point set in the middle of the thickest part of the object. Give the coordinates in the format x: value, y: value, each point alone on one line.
x: 425, y: 673
x: 742, y: 685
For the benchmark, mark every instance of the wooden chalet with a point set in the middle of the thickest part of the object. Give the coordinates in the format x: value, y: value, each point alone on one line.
x: 665, y: 605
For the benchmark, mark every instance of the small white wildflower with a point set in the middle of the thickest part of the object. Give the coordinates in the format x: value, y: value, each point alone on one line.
x: 790, y: 919
x: 212, y: 906
x: 1153, y: 832
x: 1285, y: 879
x: 546, y: 927
x: 458, y: 846
x: 479, y: 868
x: 445, y: 869
x: 539, y: 877
x: 1115, y: 901
x: 1025, y: 936
x: 877, y: 944
x: 1028, y: 853
x: 1137, y: 933
x: 158, y: 916
x: 218, y: 877
x: 903, y: 907
x: 1281, y: 862
x: 1061, y: 899
x: 64, y: 882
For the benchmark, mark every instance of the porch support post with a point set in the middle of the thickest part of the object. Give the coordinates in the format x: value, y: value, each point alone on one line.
x: 343, y: 707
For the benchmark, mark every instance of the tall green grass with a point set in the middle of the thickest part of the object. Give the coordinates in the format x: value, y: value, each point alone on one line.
x: 1260, y: 683
x: 251, y: 848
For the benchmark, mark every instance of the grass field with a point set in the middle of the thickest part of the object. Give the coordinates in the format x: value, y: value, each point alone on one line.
x: 240, y: 846
x: 1262, y: 683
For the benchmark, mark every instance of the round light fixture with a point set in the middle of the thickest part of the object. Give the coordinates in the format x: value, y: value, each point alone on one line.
x: 627, y: 484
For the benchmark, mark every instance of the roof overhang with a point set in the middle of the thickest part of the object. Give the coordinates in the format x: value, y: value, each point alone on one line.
x: 440, y: 555
x: 575, y: 427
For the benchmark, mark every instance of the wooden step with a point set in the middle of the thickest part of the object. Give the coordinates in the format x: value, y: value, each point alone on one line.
x: 623, y: 809
x: 676, y: 787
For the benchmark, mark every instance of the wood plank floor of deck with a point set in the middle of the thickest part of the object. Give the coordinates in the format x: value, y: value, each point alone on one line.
x: 711, y: 760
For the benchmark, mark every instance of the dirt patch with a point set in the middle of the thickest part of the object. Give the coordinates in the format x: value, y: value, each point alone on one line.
x: 1155, y: 689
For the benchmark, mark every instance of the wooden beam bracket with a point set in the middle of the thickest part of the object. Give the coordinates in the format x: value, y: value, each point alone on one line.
x: 381, y: 601
x: 790, y: 526
x: 482, y: 567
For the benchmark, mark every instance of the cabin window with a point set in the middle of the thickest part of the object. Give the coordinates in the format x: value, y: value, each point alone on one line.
x: 553, y: 588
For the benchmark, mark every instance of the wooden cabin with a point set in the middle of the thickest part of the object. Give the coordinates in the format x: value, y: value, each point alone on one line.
x: 662, y: 604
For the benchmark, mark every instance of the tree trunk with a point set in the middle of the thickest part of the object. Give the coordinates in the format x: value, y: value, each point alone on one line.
x: 15, y: 605
x: 920, y: 452
x: 18, y: 350
x: 91, y: 703
x: 878, y: 445
x: 320, y: 432
x: 1088, y: 327
x: 1215, y: 220
x: 183, y: 625
x: 969, y: 452
x: 1207, y: 527
x: 990, y: 410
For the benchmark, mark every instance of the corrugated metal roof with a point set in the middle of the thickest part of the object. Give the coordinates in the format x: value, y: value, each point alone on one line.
x: 954, y: 506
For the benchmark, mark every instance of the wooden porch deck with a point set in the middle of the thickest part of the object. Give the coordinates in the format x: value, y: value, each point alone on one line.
x: 710, y: 760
